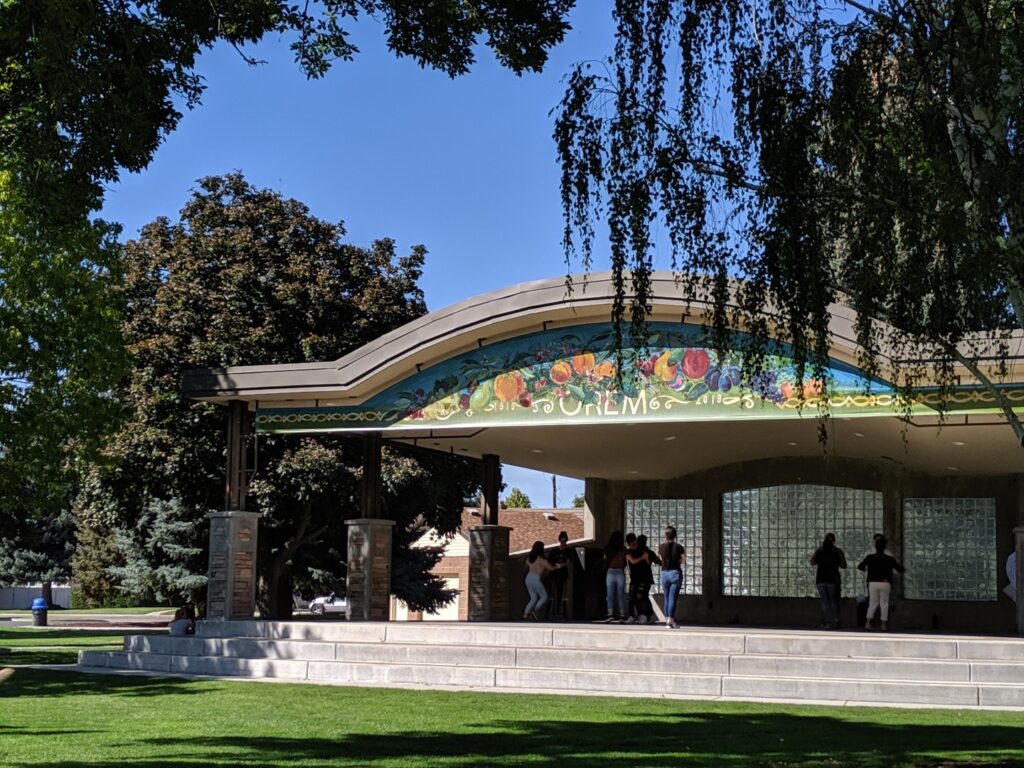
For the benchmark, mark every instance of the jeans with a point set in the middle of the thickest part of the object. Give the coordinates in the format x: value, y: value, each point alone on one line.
x: 670, y: 581
x: 615, y: 588
x: 827, y: 593
x: 538, y: 595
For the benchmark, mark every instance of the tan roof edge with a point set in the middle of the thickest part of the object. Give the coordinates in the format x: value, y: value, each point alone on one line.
x: 510, y: 311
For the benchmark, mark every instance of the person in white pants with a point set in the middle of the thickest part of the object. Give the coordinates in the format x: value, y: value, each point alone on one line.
x: 536, y: 566
x: 880, y: 567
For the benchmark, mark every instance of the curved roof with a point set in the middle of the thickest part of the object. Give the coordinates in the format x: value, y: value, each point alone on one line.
x: 512, y: 311
x: 981, y: 443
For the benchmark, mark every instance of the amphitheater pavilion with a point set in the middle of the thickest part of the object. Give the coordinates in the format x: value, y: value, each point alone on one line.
x: 527, y: 376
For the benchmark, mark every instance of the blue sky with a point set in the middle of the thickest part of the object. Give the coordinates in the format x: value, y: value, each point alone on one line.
x: 466, y: 167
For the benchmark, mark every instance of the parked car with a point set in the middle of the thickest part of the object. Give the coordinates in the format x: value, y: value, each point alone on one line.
x: 318, y: 606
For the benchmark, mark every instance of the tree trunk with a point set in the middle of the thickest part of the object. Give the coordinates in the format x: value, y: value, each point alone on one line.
x: 48, y: 593
x: 275, y: 597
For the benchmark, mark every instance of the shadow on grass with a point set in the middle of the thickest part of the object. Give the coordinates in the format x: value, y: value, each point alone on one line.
x: 687, y: 734
x: 14, y: 634
x: 43, y: 683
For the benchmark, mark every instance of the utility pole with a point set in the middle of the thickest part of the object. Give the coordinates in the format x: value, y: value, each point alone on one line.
x: 554, y: 492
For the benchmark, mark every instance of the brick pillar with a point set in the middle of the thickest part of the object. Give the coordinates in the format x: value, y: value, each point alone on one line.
x: 231, y: 590
x: 488, y: 573
x: 369, y: 569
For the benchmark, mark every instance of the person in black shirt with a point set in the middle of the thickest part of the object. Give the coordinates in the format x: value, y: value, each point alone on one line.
x: 560, y: 556
x: 828, y: 559
x: 641, y: 579
x: 673, y: 560
x: 879, y: 567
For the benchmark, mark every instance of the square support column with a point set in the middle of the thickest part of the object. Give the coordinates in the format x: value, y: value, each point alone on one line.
x: 491, y: 489
x: 488, y: 573
x: 231, y: 587
x: 1018, y: 535
x: 369, y: 569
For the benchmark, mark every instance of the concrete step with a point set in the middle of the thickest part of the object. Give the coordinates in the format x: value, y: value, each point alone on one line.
x: 735, y: 664
x: 878, y: 692
x: 756, y: 665
x: 631, y: 639
x: 559, y: 680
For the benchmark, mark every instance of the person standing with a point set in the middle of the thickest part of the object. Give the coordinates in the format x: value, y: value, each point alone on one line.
x: 828, y: 559
x: 536, y: 567
x: 839, y: 580
x: 879, y: 567
x: 673, y: 560
x: 641, y: 579
x: 562, y: 556
x: 615, y: 576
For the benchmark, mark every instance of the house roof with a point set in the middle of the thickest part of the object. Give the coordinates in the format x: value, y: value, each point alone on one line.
x: 530, y: 525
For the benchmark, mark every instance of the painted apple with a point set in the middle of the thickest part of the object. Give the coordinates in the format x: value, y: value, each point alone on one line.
x: 696, y: 363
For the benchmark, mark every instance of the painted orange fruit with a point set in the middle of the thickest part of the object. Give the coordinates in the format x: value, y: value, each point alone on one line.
x: 509, y: 386
x: 583, y: 363
x: 604, y: 370
x: 813, y: 388
x: 561, y: 372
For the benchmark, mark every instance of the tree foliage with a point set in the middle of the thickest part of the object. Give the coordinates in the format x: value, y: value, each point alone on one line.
x: 517, y: 499
x: 88, y: 89
x: 244, y: 277
x: 798, y: 152
x: 55, y: 379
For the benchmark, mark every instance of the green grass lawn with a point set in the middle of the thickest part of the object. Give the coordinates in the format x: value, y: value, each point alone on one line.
x: 37, y: 645
x: 87, y: 611
x: 72, y: 720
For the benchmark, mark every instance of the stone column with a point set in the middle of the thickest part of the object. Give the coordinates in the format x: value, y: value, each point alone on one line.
x: 231, y: 588
x: 231, y: 578
x: 488, y: 573
x: 369, y: 569
x: 1018, y: 535
x: 491, y: 489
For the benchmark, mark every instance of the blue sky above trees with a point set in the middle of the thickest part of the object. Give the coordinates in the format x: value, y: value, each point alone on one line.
x: 466, y: 166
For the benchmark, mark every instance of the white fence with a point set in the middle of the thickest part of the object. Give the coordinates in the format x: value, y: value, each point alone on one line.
x: 22, y: 597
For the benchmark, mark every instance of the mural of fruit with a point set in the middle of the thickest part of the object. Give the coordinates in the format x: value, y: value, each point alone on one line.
x: 604, y: 370
x: 787, y: 389
x: 509, y: 386
x: 696, y: 363
x: 481, y: 396
x: 561, y: 372
x: 663, y: 369
x: 583, y: 363
x: 813, y: 388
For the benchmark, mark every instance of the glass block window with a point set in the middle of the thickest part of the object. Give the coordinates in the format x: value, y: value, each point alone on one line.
x: 652, y: 516
x: 769, y: 535
x: 949, y: 549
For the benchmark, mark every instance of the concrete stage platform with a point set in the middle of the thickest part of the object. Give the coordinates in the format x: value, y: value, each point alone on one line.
x: 730, y: 664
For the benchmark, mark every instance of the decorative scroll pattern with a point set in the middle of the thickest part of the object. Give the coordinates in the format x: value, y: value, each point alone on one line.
x: 574, y: 375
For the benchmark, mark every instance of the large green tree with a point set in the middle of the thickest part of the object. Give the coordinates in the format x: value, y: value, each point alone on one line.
x: 55, y: 379
x: 793, y: 153
x: 247, y: 277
